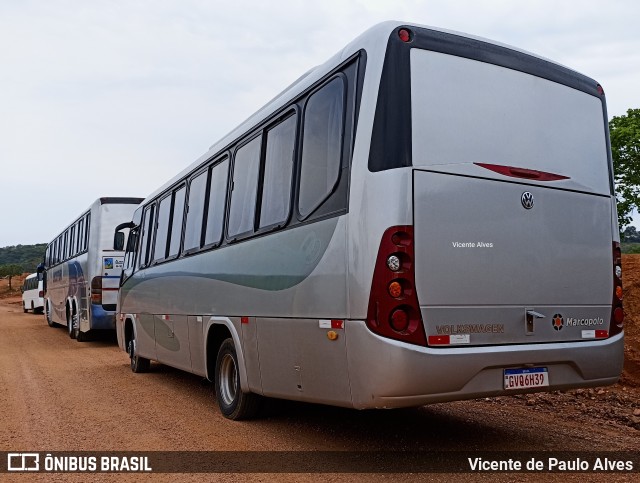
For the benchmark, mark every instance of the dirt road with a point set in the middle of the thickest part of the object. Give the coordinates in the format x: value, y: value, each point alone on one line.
x: 61, y: 395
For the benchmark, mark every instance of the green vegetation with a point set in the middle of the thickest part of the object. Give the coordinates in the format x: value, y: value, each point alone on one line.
x: 630, y: 248
x: 28, y: 257
x: 625, y: 149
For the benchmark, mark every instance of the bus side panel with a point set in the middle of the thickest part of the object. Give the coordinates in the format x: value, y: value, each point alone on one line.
x: 57, y: 292
x: 299, y: 361
x: 145, y: 336
x: 172, y: 341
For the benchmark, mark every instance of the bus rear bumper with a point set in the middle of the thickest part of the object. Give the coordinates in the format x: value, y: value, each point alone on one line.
x: 385, y: 373
x: 102, y: 319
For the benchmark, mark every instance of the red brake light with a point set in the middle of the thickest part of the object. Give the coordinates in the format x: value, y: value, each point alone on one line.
x: 524, y: 173
x: 617, y: 312
x: 96, y: 290
x: 405, y: 35
x: 394, y: 311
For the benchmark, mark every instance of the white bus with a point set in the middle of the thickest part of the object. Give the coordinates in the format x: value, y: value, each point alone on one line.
x: 426, y: 217
x: 82, y: 269
x: 32, y: 293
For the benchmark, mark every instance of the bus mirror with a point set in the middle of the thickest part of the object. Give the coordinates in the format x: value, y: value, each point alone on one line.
x: 40, y: 268
x: 118, y: 241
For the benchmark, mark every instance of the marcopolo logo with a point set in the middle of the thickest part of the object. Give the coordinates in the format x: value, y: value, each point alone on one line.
x: 557, y: 322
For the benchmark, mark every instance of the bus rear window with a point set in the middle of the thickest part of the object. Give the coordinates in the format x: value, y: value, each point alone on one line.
x: 467, y: 111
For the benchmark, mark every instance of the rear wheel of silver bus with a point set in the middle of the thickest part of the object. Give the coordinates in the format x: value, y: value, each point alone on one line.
x: 234, y: 404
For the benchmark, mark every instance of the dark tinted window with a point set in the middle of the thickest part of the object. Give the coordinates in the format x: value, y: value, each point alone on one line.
x: 176, y: 221
x: 193, y: 229
x: 246, y: 165
x: 66, y: 245
x: 217, y: 197
x: 87, y: 231
x: 80, y: 234
x: 321, y: 146
x: 162, y: 228
x: 278, y: 169
x: 147, y: 232
x: 72, y: 241
x: 132, y: 243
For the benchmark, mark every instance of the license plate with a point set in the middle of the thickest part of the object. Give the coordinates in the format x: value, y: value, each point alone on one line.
x: 526, y: 378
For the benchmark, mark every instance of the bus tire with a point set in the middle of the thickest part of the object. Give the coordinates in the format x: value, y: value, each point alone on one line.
x: 234, y: 404
x: 47, y: 313
x: 138, y: 363
x: 24, y: 308
x: 71, y: 325
x: 81, y: 336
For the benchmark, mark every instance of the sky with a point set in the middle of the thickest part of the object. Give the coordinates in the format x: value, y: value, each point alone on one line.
x: 115, y: 97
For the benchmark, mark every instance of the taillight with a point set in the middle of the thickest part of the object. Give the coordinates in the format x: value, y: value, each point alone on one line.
x: 41, y: 293
x: 96, y: 290
x: 617, y: 312
x: 393, y: 304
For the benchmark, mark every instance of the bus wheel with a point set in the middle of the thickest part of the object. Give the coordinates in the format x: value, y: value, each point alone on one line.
x: 24, y: 308
x: 81, y: 336
x: 50, y: 322
x: 234, y: 404
x: 71, y: 323
x: 72, y: 333
x: 138, y: 363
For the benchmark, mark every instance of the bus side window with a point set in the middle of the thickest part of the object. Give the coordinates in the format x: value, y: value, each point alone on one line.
x: 72, y: 241
x: 195, y: 213
x: 162, y: 229
x: 321, y: 146
x: 177, y: 217
x: 246, y: 166
x: 146, y: 236
x: 278, y: 171
x: 132, y: 245
x: 214, y: 216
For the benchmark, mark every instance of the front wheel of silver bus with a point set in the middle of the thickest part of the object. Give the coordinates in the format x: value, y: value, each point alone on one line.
x: 234, y: 404
x: 138, y: 364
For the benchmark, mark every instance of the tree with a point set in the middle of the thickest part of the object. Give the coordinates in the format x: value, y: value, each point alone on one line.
x: 630, y: 234
x: 10, y: 271
x: 625, y: 149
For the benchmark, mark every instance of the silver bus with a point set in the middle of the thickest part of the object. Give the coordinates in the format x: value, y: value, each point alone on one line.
x: 82, y: 269
x: 427, y: 216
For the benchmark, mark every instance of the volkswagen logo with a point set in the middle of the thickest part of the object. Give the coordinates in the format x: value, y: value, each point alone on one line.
x: 527, y: 200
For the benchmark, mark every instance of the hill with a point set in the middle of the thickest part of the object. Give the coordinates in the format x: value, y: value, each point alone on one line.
x: 27, y: 256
